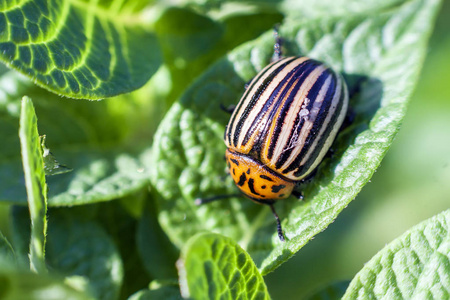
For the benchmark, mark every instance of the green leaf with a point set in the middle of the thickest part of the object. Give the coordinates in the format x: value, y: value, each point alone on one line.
x: 81, y: 136
x: 413, y: 266
x: 33, y: 166
x: 157, y: 252
x: 215, y: 267
x: 332, y: 8
x: 79, y: 49
x: 122, y: 228
x: 16, y: 283
x: 80, y: 247
x: 369, y: 49
x: 98, y: 176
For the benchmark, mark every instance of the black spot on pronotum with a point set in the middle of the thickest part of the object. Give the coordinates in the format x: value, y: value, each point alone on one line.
x: 277, y: 188
x: 242, y: 180
x: 248, y: 171
x: 266, y: 177
x: 263, y: 187
x: 281, y: 195
x: 234, y: 171
x: 235, y: 162
x: 251, y: 185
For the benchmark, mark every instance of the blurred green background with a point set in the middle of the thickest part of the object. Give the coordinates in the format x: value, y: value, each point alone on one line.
x: 411, y: 185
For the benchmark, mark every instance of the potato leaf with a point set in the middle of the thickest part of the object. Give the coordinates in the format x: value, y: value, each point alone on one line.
x: 79, y: 49
x: 414, y: 266
x: 215, y: 267
x: 33, y: 166
x: 368, y: 47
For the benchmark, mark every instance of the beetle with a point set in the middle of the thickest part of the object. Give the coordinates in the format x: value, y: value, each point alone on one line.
x: 282, y: 127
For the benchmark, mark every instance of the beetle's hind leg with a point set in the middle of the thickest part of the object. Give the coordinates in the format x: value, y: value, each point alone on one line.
x: 279, y: 228
x: 309, y: 177
x: 297, y: 194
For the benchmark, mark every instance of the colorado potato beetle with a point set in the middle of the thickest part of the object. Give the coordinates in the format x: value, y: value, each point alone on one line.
x: 282, y: 128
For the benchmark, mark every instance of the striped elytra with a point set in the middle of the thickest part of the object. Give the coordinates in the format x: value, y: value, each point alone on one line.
x: 283, y: 126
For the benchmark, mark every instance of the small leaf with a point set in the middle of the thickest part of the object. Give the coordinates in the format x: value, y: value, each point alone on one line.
x: 51, y: 165
x: 369, y: 49
x: 79, y: 49
x: 214, y: 267
x: 33, y: 166
x: 413, y: 266
x: 79, y: 247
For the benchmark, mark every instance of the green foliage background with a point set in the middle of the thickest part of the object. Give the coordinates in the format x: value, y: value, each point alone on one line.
x: 121, y: 224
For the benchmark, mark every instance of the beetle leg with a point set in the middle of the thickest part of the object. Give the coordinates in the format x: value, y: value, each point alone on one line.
x: 279, y: 229
x: 311, y: 175
x: 297, y: 194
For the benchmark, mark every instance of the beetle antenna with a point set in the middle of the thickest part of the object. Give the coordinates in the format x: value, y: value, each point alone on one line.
x: 200, y: 201
x: 279, y: 229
